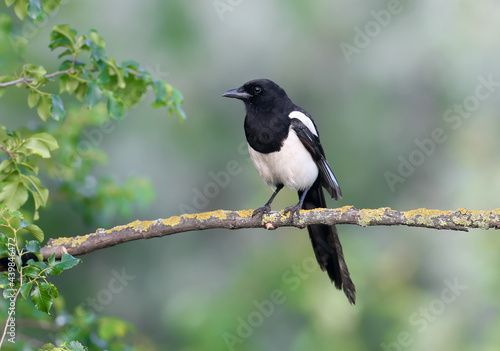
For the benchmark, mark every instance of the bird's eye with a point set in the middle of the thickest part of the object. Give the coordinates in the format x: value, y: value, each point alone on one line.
x: 257, y: 90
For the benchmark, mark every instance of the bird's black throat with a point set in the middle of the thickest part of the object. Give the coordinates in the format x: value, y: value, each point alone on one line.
x: 266, y: 131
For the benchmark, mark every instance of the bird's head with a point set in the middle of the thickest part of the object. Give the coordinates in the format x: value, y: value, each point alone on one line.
x: 260, y: 93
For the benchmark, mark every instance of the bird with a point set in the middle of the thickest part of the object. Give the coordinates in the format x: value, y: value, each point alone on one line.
x: 284, y: 146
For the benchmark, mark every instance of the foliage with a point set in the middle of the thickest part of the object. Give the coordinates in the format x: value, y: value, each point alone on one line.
x: 84, y: 97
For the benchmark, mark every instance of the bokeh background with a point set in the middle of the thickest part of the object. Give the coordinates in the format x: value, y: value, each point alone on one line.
x: 376, y: 76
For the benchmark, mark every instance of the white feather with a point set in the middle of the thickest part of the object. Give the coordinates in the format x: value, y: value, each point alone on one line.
x: 304, y: 119
x: 292, y: 166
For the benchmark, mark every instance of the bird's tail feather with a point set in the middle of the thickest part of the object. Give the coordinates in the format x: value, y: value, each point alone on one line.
x: 327, y: 247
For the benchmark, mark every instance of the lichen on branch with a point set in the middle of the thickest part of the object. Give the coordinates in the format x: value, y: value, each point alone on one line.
x: 461, y: 219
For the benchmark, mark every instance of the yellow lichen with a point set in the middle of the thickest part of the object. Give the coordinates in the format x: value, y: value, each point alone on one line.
x: 480, y: 218
x: 141, y: 226
x: 77, y: 240
x: 71, y: 242
x: 220, y: 214
x: 345, y: 209
x: 172, y: 221
x: 368, y: 216
x: 423, y: 216
x: 116, y: 229
x: 496, y: 212
x: 461, y: 219
x: 60, y: 241
x: 245, y: 213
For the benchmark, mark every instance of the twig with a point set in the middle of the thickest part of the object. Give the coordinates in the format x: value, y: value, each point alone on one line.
x: 461, y: 219
x: 12, y: 310
x: 29, y: 80
x: 11, y: 155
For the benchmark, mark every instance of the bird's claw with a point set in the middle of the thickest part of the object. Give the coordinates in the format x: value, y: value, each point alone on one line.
x: 294, y: 212
x: 262, y: 211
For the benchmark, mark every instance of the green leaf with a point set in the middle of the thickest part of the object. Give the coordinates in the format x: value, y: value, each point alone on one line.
x: 5, y: 165
x: 41, y: 144
x: 44, y: 106
x: 6, y: 169
x: 42, y: 298
x: 133, y: 92
x: 39, y: 148
x: 9, y: 2
x: 65, y: 53
x: 64, y: 42
x: 14, y: 195
x: 115, y: 107
x: 46, y: 138
x: 160, y: 93
x: 53, y: 290
x: 63, y: 30
x: 57, y: 109
x: 96, y: 52
x: 40, y: 264
x: 33, y: 98
x: 131, y: 64
x: 26, y: 288
x: 31, y: 271
x: 81, y: 92
x: 63, y: 36
x: 39, y: 193
x: 35, y: 9
x: 96, y: 38
x: 36, y: 72
x: 27, y: 166
x: 104, y: 77
x: 56, y: 268
x: 21, y: 8
x: 51, y: 260
x: 180, y: 112
x: 111, y: 77
x: 33, y: 246
x: 36, y: 231
x: 68, y: 84
x: 75, y: 346
x: 93, y: 95
x: 4, y: 281
x: 49, y: 6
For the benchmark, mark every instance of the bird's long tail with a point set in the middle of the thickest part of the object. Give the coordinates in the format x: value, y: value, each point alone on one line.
x: 327, y: 247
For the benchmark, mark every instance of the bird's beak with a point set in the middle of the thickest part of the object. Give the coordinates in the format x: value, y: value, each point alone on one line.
x: 238, y: 93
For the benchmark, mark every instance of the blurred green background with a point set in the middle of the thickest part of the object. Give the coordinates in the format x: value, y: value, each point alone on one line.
x: 376, y: 76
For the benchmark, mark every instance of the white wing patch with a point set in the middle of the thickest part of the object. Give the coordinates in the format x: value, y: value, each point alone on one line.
x: 304, y: 119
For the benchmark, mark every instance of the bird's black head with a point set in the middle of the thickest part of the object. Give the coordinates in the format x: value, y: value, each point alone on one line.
x: 259, y: 93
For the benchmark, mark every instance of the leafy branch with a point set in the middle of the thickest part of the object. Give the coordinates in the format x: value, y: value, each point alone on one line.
x: 30, y: 80
x: 461, y: 219
x: 91, y: 79
x: 66, y: 148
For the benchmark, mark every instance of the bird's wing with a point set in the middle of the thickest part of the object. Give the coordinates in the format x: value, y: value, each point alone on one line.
x: 312, y: 144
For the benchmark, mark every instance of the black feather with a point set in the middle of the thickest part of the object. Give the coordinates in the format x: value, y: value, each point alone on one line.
x: 327, y: 247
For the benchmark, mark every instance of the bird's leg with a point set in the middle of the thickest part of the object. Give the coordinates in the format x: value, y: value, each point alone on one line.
x: 267, y: 207
x: 295, y: 210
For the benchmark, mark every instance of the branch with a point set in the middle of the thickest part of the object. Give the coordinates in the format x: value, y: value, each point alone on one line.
x: 7, y: 151
x: 29, y: 80
x: 461, y: 219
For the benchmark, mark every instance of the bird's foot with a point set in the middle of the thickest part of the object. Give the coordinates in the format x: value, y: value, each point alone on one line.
x: 294, y: 212
x: 262, y: 211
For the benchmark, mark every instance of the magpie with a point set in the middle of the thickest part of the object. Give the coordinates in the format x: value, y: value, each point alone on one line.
x: 283, y: 142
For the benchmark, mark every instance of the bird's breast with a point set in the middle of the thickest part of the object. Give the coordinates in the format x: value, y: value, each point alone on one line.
x: 291, y: 165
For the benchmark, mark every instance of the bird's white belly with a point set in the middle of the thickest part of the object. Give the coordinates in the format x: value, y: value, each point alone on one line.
x: 292, y: 166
